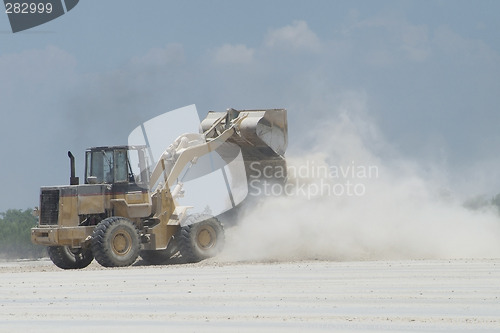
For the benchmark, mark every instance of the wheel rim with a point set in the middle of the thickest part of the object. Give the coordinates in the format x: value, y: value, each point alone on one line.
x: 206, y: 237
x: 121, y: 243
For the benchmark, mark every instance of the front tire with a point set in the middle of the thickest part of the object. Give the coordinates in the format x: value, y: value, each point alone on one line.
x: 115, y: 242
x: 66, y: 257
x: 200, y: 240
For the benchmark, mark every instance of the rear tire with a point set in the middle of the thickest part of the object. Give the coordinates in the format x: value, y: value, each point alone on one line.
x: 116, y: 242
x: 200, y: 240
x: 66, y: 257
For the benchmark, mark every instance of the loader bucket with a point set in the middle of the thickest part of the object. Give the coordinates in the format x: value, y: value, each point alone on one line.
x: 262, y: 138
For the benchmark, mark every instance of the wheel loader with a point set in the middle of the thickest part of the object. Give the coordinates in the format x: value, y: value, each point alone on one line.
x: 127, y: 207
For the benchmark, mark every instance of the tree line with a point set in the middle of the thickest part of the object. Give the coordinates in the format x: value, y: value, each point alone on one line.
x: 15, y: 235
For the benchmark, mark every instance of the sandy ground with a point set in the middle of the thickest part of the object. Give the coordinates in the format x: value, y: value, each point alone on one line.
x: 426, y: 295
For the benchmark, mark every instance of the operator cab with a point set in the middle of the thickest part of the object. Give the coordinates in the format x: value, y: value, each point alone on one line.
x: 117, y: 165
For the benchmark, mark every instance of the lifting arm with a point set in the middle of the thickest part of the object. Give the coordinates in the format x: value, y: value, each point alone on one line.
x: 187, y: 148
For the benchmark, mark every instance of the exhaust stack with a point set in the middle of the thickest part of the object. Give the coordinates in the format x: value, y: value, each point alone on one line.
x: 73, y: 180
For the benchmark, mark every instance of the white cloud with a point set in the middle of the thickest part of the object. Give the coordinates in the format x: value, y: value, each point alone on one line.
x: 297, y: 36
x: 172, y: 53
x: 235, y: 54
x: 470, y: 50
x: 415, y: 42
x: 388, y: 39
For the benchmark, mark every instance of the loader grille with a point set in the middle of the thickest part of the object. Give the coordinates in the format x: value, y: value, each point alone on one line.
x: 49, y: 207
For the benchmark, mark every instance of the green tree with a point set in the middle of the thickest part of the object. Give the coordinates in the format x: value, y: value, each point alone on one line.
x: 495, y: 201
x: 15, y: 235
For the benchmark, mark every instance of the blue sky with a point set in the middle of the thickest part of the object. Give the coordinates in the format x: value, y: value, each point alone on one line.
x: 424, y: 74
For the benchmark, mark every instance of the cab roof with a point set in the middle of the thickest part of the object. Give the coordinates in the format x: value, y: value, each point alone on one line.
x: 107, y: 148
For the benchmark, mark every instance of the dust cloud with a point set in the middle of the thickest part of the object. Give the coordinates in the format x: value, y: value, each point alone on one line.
x: 352, y: 197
